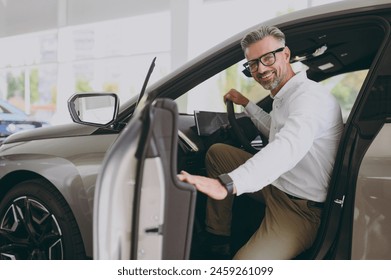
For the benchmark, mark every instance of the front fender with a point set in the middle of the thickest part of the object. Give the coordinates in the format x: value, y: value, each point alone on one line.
x: 70, y: 164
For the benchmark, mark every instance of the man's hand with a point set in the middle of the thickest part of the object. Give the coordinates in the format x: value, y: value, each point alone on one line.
x: 236, y: 97
x: 211, y: 187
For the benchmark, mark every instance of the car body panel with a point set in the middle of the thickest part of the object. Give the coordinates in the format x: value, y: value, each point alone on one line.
x: 56, y: 131
x: 72, y: 172
x: 144, y: 212
x: 372, y: 220
x: 123, y: 195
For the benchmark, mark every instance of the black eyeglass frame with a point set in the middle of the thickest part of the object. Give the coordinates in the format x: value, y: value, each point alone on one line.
x: 259, y: 60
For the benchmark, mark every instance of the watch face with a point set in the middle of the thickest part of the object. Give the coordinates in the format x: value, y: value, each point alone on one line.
x: 223, y: 178
x: 227, y: 182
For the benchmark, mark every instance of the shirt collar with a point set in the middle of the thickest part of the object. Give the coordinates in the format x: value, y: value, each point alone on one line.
x: 290, y: 84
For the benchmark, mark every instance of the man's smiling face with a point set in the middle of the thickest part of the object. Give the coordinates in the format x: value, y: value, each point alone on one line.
x: 271, y: 77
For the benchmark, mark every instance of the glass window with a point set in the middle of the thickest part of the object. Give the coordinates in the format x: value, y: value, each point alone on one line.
x: 15, y: 79
x: 208, y: 96
x: 43, y: 91
x: 345, y: 88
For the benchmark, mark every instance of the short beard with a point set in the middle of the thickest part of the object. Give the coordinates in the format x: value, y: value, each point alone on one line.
x: 270, y: 85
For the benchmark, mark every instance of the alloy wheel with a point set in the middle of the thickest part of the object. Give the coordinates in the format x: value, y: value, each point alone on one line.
x: 29, y: 231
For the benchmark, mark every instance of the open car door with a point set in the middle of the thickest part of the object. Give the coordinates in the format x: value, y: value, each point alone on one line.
x: 141, y: 209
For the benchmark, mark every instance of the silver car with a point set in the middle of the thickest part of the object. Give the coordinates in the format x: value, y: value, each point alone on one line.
x: 107, y: 188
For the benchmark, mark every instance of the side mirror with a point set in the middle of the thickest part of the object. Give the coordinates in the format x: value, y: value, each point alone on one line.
x: 96, y: 109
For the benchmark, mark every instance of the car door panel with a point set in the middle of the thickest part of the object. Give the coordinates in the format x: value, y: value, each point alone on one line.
x: 370, y: 116
x: 149, y: 199
x: 372, y: 218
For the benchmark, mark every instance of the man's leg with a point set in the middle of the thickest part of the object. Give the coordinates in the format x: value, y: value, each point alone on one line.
x: 288, y: 228
x: 222, y: 158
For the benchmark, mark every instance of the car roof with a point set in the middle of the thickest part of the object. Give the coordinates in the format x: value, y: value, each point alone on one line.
x: 343, y: 9
x: 360, y: 40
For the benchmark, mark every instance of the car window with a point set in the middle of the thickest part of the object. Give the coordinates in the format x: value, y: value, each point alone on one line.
x: 208, y: 96
x: 345, y: 88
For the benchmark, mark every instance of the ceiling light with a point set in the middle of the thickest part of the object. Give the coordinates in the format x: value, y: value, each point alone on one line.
x: 316, y: 53
x: 326, y: 66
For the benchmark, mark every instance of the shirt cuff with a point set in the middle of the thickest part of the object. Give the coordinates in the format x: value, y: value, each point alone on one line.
x: 236, y: 179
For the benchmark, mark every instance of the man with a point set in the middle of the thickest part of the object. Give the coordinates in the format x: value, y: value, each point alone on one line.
x: 291, y: 174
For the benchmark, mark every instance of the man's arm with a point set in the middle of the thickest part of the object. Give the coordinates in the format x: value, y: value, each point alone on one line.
x: 211, y: 187
x: 260, y: 118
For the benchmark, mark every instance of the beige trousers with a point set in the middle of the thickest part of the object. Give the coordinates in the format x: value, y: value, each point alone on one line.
x: 289, y: 226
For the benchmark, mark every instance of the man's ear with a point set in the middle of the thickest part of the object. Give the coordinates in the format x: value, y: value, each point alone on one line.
x: 287, y: 54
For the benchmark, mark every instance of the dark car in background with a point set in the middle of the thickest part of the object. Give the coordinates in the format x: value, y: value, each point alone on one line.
x: 107, y: 189
x: 13, y: 120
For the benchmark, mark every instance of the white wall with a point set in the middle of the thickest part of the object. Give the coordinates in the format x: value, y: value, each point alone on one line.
x: 124, y: 35
x: 24, y: 16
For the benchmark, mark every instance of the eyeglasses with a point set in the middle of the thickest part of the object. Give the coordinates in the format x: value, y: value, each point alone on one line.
x: 268, y: 59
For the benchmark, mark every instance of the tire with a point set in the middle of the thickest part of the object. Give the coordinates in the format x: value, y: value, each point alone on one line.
x: 37, y: 223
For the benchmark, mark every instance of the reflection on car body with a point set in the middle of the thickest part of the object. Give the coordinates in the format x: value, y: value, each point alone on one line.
x: 53, y: 172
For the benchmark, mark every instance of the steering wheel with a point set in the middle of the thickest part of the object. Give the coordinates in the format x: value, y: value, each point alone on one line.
x: 238, y: 131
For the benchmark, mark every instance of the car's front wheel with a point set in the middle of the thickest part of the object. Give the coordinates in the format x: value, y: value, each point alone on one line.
x: 37, y: 223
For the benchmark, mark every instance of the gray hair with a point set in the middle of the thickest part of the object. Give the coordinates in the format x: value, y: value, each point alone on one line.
x: 260, y: 33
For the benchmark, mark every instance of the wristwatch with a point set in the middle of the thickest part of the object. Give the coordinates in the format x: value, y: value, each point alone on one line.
x: 227, y: 182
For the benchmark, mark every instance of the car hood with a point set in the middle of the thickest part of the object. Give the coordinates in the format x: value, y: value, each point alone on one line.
x: 56, y: 131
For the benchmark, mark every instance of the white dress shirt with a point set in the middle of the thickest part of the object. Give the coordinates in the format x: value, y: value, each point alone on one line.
x: 304, y: 129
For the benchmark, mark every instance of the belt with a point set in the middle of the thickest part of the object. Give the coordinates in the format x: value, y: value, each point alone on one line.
x: 310, y: 203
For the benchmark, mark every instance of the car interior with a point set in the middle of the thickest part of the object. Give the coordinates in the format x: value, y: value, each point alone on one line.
x: 326, y: 49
